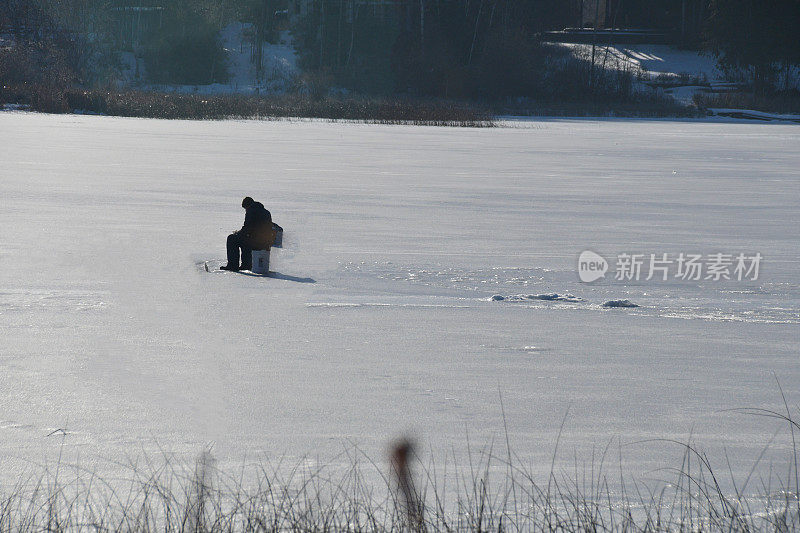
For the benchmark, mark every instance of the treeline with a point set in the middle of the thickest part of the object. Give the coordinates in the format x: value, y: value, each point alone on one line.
x: 486, y: 49
x: 478, y: 49
x: 474, y: 49
x: 496, y: 48
x: 82, y: 41
x: 53, y: 42
x: 757, y: 41
x: 448, y: 48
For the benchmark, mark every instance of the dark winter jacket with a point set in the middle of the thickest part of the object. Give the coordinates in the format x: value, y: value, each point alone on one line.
x: 257, y: 226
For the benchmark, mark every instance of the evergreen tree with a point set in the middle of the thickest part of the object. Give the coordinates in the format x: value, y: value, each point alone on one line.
x: 757, y: 37
x: 185, y: 48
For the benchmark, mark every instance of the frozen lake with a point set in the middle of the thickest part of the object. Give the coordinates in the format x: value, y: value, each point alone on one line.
x: 381, y: 321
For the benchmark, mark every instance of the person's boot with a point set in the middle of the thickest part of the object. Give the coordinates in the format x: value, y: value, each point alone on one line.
x: 232, y: 268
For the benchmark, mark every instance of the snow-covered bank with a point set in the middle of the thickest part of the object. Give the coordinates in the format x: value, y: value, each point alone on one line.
x: 652, y: 61
x: 111, y: 332
x: 681, y: 73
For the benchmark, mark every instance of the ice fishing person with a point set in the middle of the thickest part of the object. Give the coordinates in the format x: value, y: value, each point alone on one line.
x: 256, y: 234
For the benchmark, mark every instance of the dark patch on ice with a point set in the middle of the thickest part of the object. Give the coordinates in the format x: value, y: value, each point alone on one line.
x: 554, y: 297
x: 548, y: 297
x: 620, y: 303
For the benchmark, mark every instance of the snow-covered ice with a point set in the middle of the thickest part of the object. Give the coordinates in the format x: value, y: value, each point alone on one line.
x: 380, y: 319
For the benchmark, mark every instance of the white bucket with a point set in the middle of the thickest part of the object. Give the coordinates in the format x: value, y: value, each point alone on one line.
x: 260, y: 262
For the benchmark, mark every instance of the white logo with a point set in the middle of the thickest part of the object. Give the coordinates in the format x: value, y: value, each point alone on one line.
x: 591, y: 266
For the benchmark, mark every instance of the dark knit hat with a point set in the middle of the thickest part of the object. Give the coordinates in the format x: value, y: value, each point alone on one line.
x: 247, y: 202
